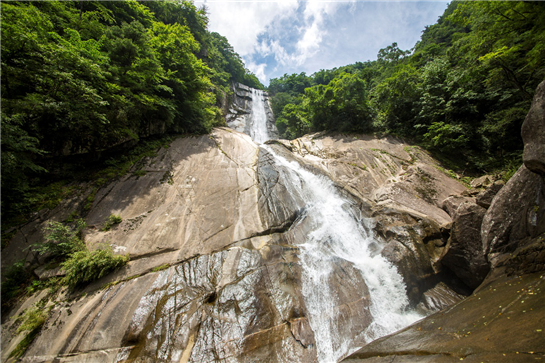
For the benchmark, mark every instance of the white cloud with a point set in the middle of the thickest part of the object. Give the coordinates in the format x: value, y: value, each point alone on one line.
x: 280, y: 53
x: 292, y: 36
x: 258, y: 70
x: 313, y: 32
x: 242, y: 22
x: 306, y: 37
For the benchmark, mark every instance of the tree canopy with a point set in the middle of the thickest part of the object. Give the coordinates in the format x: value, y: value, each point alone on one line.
x: 80, y: 77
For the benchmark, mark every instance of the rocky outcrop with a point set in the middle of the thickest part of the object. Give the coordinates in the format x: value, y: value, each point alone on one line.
x: 451, y: 204
x: 516, y: 214
x: 485, y: 197
x: 196, y: 197
x: 533, y: 133
x: 464, y: 253
x: 240, y: 107
x: 483, y: 181
x: 382, y: 172
x: 207, y: 279
x: 402, y: 189
x: 222, y: 306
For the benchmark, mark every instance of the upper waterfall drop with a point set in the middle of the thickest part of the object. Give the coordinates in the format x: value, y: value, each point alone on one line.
x: 258, y: 118
x: 250, y: 113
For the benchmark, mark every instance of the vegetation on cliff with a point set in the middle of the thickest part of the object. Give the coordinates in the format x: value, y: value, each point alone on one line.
x: 81, y: 77
x: 463, y: 90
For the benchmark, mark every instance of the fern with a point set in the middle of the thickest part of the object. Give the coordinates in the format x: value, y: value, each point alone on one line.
x: 87, y: 266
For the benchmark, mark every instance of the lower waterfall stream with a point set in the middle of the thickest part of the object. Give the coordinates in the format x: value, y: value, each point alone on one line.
x: 338, y: 236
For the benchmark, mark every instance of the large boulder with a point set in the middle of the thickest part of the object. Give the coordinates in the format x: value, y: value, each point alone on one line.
x: 483, y: 181
x: 517, y: 213
x: 533, y: 133
x: 464, y: 255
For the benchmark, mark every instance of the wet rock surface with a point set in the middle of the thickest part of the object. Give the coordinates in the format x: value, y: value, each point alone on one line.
x: 236, y: 305
x: 503, y: 321
x: 383, y: 172
x: 217, y: 236
x: 402, y: 189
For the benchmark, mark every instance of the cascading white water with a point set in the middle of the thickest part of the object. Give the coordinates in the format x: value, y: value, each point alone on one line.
x: 337, y: 236
x: 258, y: 118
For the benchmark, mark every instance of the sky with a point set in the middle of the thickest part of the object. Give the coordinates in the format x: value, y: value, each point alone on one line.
x: 293, y: 36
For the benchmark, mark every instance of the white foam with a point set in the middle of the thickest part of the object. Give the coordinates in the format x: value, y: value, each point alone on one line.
x: 258, y: 118
x: 339, y: 235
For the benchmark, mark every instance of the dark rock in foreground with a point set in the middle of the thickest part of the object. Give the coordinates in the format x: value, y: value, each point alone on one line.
x: 503, y: 321
x: 465, y: 256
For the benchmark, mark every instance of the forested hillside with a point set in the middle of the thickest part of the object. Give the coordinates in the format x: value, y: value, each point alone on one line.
x: 80, y: 77
x: 463, y: 91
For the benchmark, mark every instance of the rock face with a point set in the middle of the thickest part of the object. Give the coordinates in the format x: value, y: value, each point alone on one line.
x: 484, y: 198
x: 223, y: 306
x: 402, y: 189
x: 225, y: 266
x: 451, y: 204
x: 533, y: 133
x: 231, y: 288
x: 383, y: 172
x: 214, y: 232
x: 167, y: 212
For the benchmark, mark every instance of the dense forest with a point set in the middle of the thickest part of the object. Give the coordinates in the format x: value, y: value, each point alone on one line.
x: 82, y: 80
x: 79, y: 78
x: 463, y: 90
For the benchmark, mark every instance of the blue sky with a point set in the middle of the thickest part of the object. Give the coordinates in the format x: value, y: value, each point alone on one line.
x: 293, y: 36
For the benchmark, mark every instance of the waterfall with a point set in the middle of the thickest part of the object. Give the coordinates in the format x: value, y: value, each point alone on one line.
x: 338, y: 236
x: 258, y: 118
